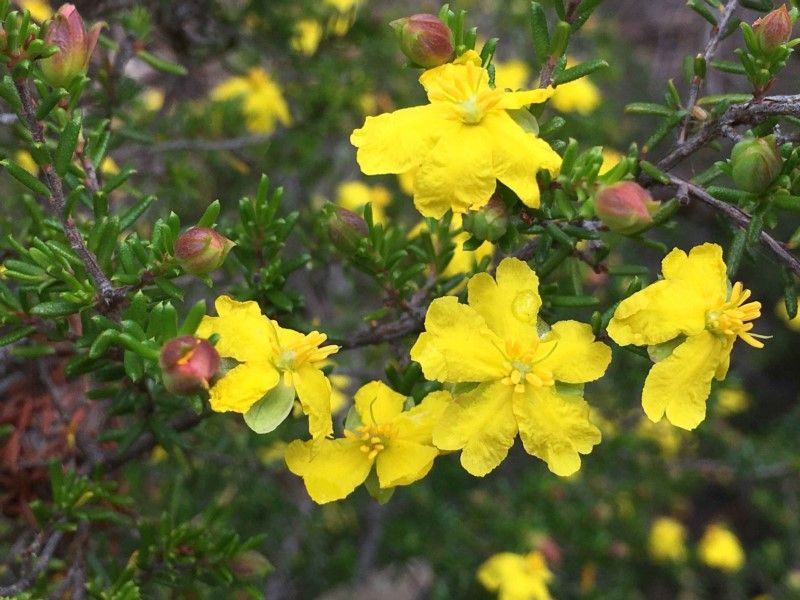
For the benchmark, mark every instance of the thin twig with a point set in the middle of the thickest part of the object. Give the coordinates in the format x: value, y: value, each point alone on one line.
x: 196, y: 145
x: 37, y: 569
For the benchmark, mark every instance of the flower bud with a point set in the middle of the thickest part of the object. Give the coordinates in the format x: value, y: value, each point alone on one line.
x: 346, y: 229
x: 490, y: 222
x: 66, y: 30
x: 250, y: 566
x: 773, y: 29
x: 424, y: 39
x: 625, y: 207
x: 187, y: 364
x: 201, y: 250
x: 755, y: 163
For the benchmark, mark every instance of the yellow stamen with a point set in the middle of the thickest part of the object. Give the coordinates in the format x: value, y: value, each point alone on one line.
x: 731, y: 318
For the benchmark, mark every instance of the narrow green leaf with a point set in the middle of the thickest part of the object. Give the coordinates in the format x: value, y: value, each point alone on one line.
x: 67, y: 144
x: 161, y: 64
x: 578, y: 71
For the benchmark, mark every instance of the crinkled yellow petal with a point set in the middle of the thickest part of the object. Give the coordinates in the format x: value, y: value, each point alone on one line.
x: 314, y: 392
x: 481, y: 423
x: 457, y: 346
x: 245, y: 334
x: 517, y: 155
x: 516, y: 577
x: 680, y: 384
x: 331, y: 469
x: 242, y: 386
x: 416, y: 425
x: 660, y: 312
x: 510, y: 303
x: 403, y: 463
x: 703, y: 270
x: 457, y: 174
x: 571, y: 353
x: 400, y: 141
x: 377, y: 403
x: 556, y: 429
x: 522, y: 99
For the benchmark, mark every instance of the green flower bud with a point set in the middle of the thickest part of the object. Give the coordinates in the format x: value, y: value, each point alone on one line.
x: 755, y: 163
x: 346, y: 229
x: 625, y: 207
x: 250, y: 566
x: 187, y: 364
x: 773, y: 29
x: 201, y: 250
x: 76, y: 45
x: 490, y: 222
x: 424, y: 39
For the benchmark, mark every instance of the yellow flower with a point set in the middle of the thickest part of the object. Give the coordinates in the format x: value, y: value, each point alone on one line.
x: 693, y: 308
x: 40, y: 9
x: 343, y: 5
x: 720, y: 548
x: 667, y: 438
x: 397, y: 443
x: 463, y: 142
x: 465, y: 260
x: 339, y: 385
x: 307, y: 36
x: 152, y: 99
x: 580, y: 96
x: 667, y: 542
x: 732, y: 400
x: 109, y: 166
x: 610, y: 159
x: 262, y: 100
x: 516, y: 576
x: 527, y: 381
x: 780, y: 310
x: 354, y: 195
x: 25, y: 160
x: 274, y: 365
x: 512, y: 75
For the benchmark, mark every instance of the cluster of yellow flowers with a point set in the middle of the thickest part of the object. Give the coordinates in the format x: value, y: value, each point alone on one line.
x: 718, y: 547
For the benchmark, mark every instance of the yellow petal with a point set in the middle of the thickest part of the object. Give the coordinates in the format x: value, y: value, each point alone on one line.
x: 416, y: 425
x: 516, y: 577
x: 242, y: 386
x: 457, y: 174
x: 377, y: 403
x: 400, y: 141
x: 314, y: 392
x: 403, y: 463
x: 572, y: 354
x: 556, y: 429
x: 513, y: 100
x: 518, y: 155
x: 331, y: 469
x: 457, y: 346
x: 510, y: 304
x: 680, y: 384
x: 703, y: 270
x: 481, y: 423
x: 245, y: 334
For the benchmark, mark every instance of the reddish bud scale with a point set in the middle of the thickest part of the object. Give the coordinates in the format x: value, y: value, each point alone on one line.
x: 201, y: 250
x: 76, y: 45
x: 424, y: 39
x: 346, y: 229
x: 625, y: 207
x: 773, y: 29
x: 188, y: 364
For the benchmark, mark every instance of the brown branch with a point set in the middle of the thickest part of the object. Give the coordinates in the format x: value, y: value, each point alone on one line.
x: 41, y: 564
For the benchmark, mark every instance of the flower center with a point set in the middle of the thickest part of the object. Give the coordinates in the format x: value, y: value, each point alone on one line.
x: 467, y: 87
x: 373, y: 438
x: 732, y: 318
x: 522, y: 368
x: 305, y: 350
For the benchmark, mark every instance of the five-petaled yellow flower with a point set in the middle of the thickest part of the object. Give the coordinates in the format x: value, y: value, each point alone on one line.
x: 695, y: 310
x: 396, y: 442
x: 461, y: 143
x: 524, y: 374
x: 274, y: 365
x: 516, y: 576
x: 263, y: 103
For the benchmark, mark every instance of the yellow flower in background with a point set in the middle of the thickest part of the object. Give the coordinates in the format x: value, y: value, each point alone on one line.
x: 512, y: 75
x: 668, y: 438
x: 464, y: 261
x: 528, y: 380
x: 109, y: 166
x: 152, y: 99
x: 344, y: 5
x: 354, y: 195
x: 693, y: 309
x: 580, y: 96
x: 307, y: 36
x: 516, y: 576
x: 24, y: 159
x: 40, y: 9
x: 732, y: 400
x: 720, y: 548
x: 274, y: 366
x: 396, y: 443
x: 461, y: 143
x: 263, y: 103
x: 780, y: 310
x: 667, y: 540
x: 406, y: 182
x: 610, y: 159
x: 339, y: 385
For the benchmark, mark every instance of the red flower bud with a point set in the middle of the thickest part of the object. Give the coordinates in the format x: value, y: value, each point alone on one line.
x: 773, y: 29
x: 201, y: 250
x: 66, y: 30
x: 250, y: 566
x: 424, y: 39
x: 625, y: 207
x: 755, y: 163
x: 346, y: 229
x: 187, y: 364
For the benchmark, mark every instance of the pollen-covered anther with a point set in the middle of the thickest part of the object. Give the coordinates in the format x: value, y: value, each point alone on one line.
x: 733, y: 317
x: 373, y: 438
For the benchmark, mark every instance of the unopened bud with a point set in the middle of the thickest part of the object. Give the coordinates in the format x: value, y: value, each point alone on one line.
x: 188, y: 364
x: 424, y: 39
x: 66, y: 30
x: 250, y: 565
x: 773, y: 29
x: 625, y: 207
x: 755, y: 163
x: 490, y: 222
x: 201, y: 250
x: 346, y: 229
